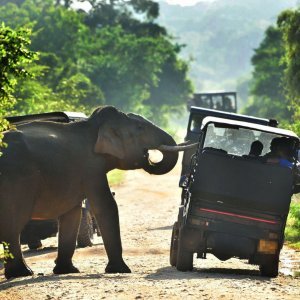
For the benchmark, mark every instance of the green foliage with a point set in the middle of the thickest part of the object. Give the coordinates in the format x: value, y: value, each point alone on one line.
x: 292, y: 231
x: 104, y: 56
x: 141, y: 74
x: 294, y: 126
x: 114, y: 12
x: 268, y: 99
x: 276, y: 77
x: 289, y: 24
x: 115, y: 177
x: 221, y: 36
x: 14, y: 56
x: 5, y: 253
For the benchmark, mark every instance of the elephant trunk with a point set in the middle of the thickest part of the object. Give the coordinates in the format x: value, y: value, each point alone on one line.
x: 169, y: 158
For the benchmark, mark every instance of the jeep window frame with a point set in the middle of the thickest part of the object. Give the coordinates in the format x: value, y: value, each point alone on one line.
x: 227, y: 123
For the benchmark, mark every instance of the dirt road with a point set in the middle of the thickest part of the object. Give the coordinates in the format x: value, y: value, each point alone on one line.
x: 148, y: 208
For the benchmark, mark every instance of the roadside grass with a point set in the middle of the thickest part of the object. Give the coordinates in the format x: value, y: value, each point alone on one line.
x: 115, y: 177
x: 292, y: 230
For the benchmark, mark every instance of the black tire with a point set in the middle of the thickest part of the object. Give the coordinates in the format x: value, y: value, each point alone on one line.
x: 86, y: 230
x: 270, y: 267
x: 174, y: 245
x: 34, y: 245
x: 184, y: 257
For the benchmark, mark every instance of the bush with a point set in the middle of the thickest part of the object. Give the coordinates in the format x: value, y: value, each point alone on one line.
x: 292, y: 230
x: 4, y: 253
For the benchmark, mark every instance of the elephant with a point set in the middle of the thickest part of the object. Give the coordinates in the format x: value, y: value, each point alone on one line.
x: 48, y: 168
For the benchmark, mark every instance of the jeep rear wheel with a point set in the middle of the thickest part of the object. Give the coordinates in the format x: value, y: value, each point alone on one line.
x: 34, y: 244
x: 174, y: 245
x: 184, y: 256
x: 86, y: 230
x: 269, y: 267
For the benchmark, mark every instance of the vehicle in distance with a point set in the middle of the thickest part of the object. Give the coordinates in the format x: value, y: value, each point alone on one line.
x: 223, y: 101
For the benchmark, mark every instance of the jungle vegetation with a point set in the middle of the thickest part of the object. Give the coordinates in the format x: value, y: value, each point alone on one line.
x: 115, y: 53
x: 274, y: 86
x: 14, y: 56
x: 220, y: 37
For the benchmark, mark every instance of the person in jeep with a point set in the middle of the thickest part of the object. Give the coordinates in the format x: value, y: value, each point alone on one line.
x: 281, y: 152
x: 256, y: 149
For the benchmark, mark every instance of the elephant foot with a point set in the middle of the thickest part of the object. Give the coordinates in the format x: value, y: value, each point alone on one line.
x: 18, y: 271
x: 65, y: 269
x: 117, y: 268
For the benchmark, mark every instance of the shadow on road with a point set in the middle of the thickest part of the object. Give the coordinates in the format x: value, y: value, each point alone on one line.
x: 161, y: 228
x: 6, y: 284
x: 169, y: 273
x: 45, y: 250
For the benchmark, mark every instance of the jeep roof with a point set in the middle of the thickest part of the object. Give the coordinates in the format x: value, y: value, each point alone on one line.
x: 249, y: 125
x: 58, y: 116
x: 228, y: 115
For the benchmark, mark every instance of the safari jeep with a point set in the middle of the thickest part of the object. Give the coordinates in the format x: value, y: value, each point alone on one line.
x: 234, y: 204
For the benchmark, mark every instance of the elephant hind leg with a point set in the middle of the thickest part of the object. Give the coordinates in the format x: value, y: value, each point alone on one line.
x: 67, y: 235
x: 16, y: 198
x: 16, y: 266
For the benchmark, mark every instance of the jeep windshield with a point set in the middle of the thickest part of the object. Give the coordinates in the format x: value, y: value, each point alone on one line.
x: 236, y: 139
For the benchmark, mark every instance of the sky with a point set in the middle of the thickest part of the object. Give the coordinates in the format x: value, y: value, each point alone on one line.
x: 86, y: 6
x: 186, y: 2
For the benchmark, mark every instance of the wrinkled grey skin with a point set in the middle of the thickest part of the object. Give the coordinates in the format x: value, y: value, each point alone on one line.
x: 48, y: 168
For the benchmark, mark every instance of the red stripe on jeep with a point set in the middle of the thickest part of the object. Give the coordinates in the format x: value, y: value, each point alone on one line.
x: 236, y: 215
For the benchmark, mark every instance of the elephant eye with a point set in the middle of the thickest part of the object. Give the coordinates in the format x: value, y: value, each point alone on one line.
x: 140, y: 127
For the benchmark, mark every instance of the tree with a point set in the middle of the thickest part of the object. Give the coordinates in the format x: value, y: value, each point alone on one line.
x: 140, y: 74
x: 268, y: 98
x: 289, y: 24
x: 122, y: 12
x: 14, y: 56
x: 59, y: 83
x: 106, y: 55
x: 157, y: 81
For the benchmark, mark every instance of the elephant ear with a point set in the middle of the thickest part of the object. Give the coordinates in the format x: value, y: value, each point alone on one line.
x: 110, y: 142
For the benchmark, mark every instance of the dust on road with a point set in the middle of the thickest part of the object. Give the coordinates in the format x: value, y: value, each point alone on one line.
x: 148, y: 208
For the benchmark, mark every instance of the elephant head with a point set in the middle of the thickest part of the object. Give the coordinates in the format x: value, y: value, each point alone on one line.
x: 129, y: 137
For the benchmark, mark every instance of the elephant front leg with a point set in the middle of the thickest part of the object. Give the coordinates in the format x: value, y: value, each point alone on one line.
x: 67, y: 235
x: 106, y: 212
